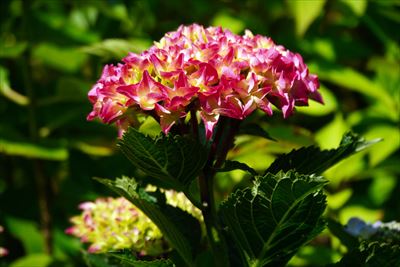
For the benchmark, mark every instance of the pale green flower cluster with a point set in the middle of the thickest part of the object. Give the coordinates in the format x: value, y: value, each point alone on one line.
x: 115, y: 223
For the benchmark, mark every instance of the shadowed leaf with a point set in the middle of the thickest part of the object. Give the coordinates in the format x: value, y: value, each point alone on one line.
x: 175, y: 160
x: 271, y: 220
x: 308, y: 160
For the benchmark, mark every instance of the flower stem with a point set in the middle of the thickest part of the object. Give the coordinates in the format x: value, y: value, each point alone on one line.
x: 223, y: 141
x: 209, y: 214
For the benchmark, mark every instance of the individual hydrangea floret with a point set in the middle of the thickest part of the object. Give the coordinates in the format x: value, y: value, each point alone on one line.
x: 210, y: 71
x: 113, y: 224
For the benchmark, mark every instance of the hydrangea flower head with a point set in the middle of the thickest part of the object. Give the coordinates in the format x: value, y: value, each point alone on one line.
x: 114, y: 223
x: 207, y: 70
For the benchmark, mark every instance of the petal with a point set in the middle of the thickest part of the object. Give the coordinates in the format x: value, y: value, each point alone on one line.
x: 209, y: 120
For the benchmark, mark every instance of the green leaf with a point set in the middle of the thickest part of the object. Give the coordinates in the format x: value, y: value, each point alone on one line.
x: 271, y: 220
x: 178, y: 227
x: 389, y: 145
x: 324, y: 137
x: 230, y: 165
x: 7, y: 91
x: 28, y: 233
x: 358, y: 7
x: 382, y: 186
x: 60, y: 58
x: 305, y: 12
x: 336, y: 200
x: 116, y: 48
x: 37, y: 260
x: 228, y: 21
x: 32, y: 150
x: 121, y: 259
x: 308, y: 160
x: 371, y: 255
x: 12, y: 50
x: 175, y: 160
x: 353, y: 80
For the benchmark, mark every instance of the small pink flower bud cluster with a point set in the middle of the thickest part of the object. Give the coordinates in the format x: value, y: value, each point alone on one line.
x: 113, y: 224
x: 3, y: 251
x: 208, y: 70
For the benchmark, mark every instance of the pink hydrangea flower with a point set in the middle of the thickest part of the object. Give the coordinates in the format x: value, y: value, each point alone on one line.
x: 207, y: 70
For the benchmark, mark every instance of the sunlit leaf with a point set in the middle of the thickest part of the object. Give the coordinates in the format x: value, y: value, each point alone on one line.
x: 305, y: 12
x: 320, y: 46
x: 250, y: 149
x: 91, y: 149
x: 33, y: 150
x: 338, y: 199
x: 353, y: 80
x: 12, y: 51
x: 116, y: 48
x: 389, y: 144
x: 150, y: 127
x: 6, y: 90
x: 382, y: 186
x: 347, y: 170
x: 358, y: 7
x: 324, y: 136
x: 28, y: 233
x: 230, y: 22
x: 61, y: 58
x: 37, y: 260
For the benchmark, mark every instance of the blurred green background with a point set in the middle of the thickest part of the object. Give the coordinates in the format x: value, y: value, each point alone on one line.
x: 51, y: 52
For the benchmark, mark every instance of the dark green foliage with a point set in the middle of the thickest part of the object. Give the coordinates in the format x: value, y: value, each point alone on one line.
x: 312, y: 159
x: 122, y: 259
x: 374, y: 254
x: 175, y: 160
x: 271, y: 220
